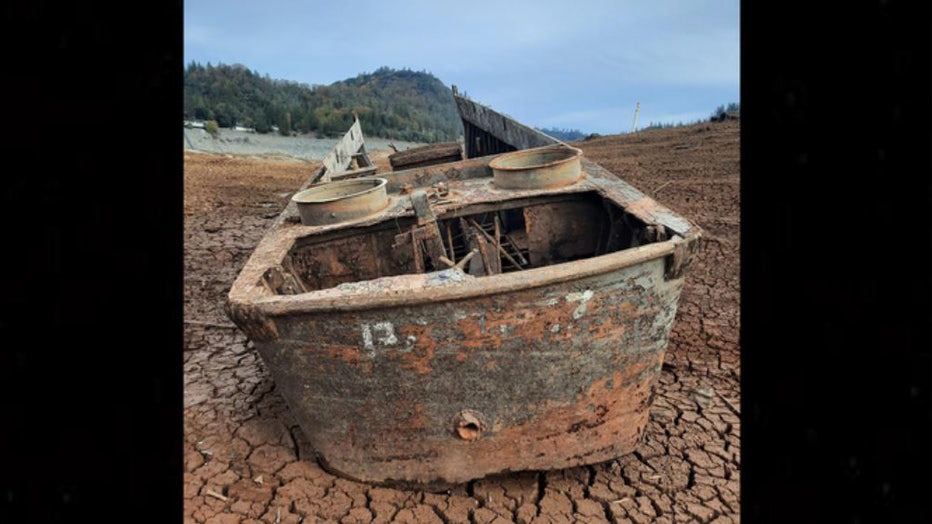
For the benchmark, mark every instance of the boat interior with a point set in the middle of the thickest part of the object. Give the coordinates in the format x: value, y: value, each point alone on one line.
x: 482, y: 239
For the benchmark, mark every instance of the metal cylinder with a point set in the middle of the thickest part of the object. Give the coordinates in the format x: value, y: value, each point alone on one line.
x: 539, y: 168
x: 340, y: 201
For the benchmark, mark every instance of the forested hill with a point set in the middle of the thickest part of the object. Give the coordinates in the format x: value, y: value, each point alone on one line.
x: 397, y: 104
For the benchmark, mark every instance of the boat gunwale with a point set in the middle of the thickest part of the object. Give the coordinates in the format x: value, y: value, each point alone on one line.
x: 415, y: 294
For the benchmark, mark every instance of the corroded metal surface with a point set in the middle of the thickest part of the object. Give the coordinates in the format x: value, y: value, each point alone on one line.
x: 437, y: 378
x: 336, y: 202
x: 536, y: 168
x: 444, y: 392
x: 406, y: 364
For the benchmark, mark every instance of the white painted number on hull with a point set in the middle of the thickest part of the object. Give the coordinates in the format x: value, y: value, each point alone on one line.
x: 382, y: 333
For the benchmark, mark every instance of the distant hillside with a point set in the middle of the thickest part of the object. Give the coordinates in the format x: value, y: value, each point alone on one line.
x: 395, y: 104
x: 567, y: 135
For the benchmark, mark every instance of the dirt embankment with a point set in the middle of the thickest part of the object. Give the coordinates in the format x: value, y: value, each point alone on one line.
x: 247, y: 461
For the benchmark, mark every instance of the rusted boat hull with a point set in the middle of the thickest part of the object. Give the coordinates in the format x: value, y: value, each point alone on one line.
x: 439, y: 393
x: 469, y: 329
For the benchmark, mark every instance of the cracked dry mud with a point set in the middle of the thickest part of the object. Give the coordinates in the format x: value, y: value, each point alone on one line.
x: 246, y: 460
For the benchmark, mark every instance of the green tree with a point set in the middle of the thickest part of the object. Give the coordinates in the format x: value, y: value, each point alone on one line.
x: 284, y: 124
x: 212, y: 128
x: 261, y: 123
x: 390, y: 103
x: 720, y: 111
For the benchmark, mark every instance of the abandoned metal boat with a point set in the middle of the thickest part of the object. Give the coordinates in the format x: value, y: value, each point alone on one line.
x: 507, y: 311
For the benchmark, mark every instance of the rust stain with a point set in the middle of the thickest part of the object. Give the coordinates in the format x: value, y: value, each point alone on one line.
x: 604, y: 424
x: 346, y: 354
x: 423, y: 348
x: 418, y: 420
x: 608, y: 328
x: 475, y: 336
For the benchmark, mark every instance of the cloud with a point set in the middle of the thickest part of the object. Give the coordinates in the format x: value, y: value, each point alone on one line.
x: 549, y: 63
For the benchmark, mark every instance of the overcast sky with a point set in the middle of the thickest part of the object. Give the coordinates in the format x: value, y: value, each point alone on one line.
x: 581, y: 64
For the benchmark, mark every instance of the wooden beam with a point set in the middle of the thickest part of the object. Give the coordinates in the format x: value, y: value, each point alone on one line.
x: 500, y: 126
x: 341, y: 156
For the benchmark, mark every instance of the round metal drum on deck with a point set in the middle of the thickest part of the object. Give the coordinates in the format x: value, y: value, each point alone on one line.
x: 340, y: 201
x: 538, y: 168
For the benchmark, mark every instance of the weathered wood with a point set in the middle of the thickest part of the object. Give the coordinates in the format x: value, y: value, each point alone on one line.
x: 416, y: 246
x: 339, y: 158
x: 517, y: 249
x: 487, y: 261
x: 498, y: 246
x: 430, y: 237
x: 429, y: 232
x: 361, y: 158
x: 279, y: 280
x: 290, y: 275
x: 354, y: 173
x: 450, y: 240
x: 483, y: 123
x: 498, y: 237
x: 424, y: 237
x: 462, y: 263
x: 426, y: 156
x: 477, y: 265
x: 421, y: 207
x: 493, y: 265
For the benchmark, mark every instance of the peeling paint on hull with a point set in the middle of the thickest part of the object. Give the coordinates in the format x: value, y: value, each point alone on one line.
x: 380, y: 391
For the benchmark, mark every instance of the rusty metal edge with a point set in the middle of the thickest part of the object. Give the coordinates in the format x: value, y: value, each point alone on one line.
x: 282, y: 305
x: 495, y: 163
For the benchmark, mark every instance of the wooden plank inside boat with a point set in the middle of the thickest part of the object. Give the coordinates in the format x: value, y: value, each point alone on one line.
x: 428, y: 155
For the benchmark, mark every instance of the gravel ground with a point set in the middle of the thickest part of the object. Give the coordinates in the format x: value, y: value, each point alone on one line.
x: 247, y: 143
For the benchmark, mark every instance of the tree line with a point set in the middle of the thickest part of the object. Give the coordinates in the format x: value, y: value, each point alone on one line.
x: 732, y: 107
x: 566, y: 135
x: 396, y: 104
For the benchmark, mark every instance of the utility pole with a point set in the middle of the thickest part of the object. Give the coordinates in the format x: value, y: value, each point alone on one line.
x: 637, y: 111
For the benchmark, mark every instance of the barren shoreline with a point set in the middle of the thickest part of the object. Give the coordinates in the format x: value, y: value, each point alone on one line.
x: 249, y: 143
